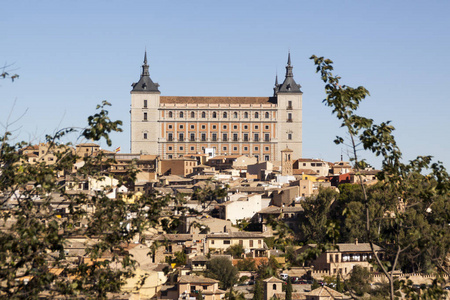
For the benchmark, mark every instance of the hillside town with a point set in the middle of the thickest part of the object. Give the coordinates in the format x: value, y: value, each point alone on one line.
x: 223, y: 208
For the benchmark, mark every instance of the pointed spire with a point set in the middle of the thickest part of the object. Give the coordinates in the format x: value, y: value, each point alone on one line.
x: 289, y: 67
x: 289, y: 85
x: 145, y: 71
x: 275, y: 88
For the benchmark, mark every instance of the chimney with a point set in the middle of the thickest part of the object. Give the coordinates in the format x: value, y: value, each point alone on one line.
x: 356, y: 241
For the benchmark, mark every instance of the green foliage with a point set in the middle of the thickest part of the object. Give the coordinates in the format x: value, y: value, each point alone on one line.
x: 359, y: 281
x: 258, y: 291
x: 35, y: 233
x: 246, y: 264
x: 313, y: 222
x: 339, y: 286
x: 221, y: 268
x: 199, y: 296
x: 268, y: 268
x: 289, y: 290
x: 315, y: 285
x: 399, y: 213
x: 236, y: 251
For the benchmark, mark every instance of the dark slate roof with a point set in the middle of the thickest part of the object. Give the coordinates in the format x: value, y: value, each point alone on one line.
x: 145, y: 84
x: 289, y: 85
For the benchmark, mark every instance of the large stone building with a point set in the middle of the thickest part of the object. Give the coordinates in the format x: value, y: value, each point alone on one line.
x: 173, y: 126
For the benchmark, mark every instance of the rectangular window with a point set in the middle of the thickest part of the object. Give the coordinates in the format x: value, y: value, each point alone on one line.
x: 170, y: 137
x: 256, y: 148
x: 289, y: 105
x: 235, y: 137
x: 192, y: 137
x: 289, y: 136
x: 245, y: 137
x: 192, y: 148
x: 224, y: 148
x: 266, y: 127
x: 266, y: 157
x: 245, y: 127
x: 267, y: 137
x: 256, y: 137
x: 234, y: 148
x: 203, y: 137
x: 266, y: 148
x: 203, y: 126
x: 234, y: 126
x: 145, y: 136
x: 214, y: 137
x: 145, y: 116
x: 256, y: 127
x: 289, y: 117
x: 181, y: 126
x: 181, y: 136
x: 145, y: 103
x: 224, y: 126
x: 192, y: 126
x: 214, y: 127
x: 224, y: 137
x: 169, y: 148
x: 226, y: 242
x: 245, y: 148
x: 169, y: 126
x: 251, y: 243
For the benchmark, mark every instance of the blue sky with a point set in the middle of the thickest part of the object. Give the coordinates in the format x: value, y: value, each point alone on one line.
x: 73, y: 54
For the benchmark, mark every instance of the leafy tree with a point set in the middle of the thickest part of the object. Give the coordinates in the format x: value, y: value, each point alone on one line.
x: 258, y: 291
x: 358, y: 283
x: 289, y: 290
x: 221, y: 268
x: 401, y: 212
x: 339, y: 287
x: 315, y: 285
x: 35, y: 232
x: 268, y: 268
x: 246, y: 264
x: 313, y: 222
x: 236, y: 250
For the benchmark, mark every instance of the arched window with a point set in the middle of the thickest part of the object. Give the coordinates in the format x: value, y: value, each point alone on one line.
x: 181, y: 114
x: 267, y: 115
x: 256, y: 115
x: 214, y: 115
x: 170, y: 114
x: 235, y: 115
x: 225, y: 115
x: 246, y: 115
x: 192, y: 114
x: 203, y: 114
x: 274, y: 286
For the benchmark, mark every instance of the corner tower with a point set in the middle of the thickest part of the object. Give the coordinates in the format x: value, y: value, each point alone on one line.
x: 145, y: 97
x: 289, y: 113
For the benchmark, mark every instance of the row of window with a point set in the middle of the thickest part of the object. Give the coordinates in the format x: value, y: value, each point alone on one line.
x: 214, y: 115
x: 224, y: 148
x: 214, y: 137
x: 234, y: 137
x: 213, y: 127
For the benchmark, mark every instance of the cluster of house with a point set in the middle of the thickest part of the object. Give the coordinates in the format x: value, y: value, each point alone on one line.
x: 255, y: 191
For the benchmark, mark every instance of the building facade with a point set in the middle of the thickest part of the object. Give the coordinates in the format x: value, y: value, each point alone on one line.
x: 173, y: 126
